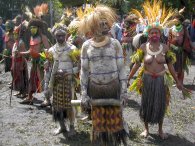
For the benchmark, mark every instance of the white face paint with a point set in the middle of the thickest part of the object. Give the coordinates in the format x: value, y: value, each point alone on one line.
x: 103, y: 28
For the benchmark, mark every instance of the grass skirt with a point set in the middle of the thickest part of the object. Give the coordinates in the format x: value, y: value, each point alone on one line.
x: 36, y: 76
x: 20, y: 75
x: 153, y: 102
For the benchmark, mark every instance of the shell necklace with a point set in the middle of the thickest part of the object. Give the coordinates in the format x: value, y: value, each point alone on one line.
x: 154, y: 53
x: 100, y: 44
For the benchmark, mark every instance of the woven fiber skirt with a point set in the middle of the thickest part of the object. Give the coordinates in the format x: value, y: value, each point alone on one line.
x: 106, y: 114
x: 153, y: 102
x: 62, y: 95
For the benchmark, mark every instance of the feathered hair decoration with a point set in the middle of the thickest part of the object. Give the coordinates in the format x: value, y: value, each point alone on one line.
x: 91, y: 22
x: 73, y: 26
x: 66, y: 16
x: 36, y: 18
x: 82, y: 13
x: 57, y: 27
x: 155, y: 15
x: 41, y: 10
x: 68, y: 12
x: 28, y: 12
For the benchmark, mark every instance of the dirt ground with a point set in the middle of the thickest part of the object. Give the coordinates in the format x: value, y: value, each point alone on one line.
x: 30, y: 125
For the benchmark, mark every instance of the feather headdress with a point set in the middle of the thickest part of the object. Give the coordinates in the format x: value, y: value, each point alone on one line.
x: 36, y: 17
x: 82, y: 13
x: 155, y: 15
x: 74, y: 25
x: 41, y: 10
x: 59, y: 27
x: 91, y: 22
x: 66, y: 16
x: 28, y: 12
x: 68, y: 12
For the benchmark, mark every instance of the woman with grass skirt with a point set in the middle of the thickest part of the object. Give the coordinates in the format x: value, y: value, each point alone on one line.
x: 153, y: 80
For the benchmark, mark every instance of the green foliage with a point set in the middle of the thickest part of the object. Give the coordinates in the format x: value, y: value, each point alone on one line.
x: 168, y: 79
x: 137, y: 84
x: 171, y: 56
x: 75, y: 55
x: 137, y: 57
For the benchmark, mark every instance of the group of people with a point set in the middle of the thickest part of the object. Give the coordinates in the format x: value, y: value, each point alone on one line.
x: 95, y: 50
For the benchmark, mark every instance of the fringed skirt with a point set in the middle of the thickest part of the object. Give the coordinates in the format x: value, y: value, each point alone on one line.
x: 106, y: 114
x: 153, y: 102
x: 62, y: 95
x: 8, y: 60
x: 20, y: 75
x: 36, y: 76
x: 180, y: 64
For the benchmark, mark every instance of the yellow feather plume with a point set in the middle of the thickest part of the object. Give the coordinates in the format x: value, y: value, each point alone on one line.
x: 155, y: 12
x: 68, y: 12
x: 82, y: 13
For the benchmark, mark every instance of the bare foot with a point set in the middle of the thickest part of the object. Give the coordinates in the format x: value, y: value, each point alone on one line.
x: 144, y: 134
x: 17, y: 94
x: 27, y: 101
x: 59, y: 130
x: 23, y: 95
x: 45, y: 103
x: 163, y: 135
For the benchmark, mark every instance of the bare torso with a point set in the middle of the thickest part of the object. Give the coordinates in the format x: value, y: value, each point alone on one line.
x: 154, y: 57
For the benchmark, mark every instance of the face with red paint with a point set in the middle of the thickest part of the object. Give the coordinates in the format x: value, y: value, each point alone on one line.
x: 154, y: 35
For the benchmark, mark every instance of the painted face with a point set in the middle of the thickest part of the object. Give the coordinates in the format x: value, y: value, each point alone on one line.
x: 104, y: 28
x: 154, y: 35
x: 33, y: 30
x: 60, y: 38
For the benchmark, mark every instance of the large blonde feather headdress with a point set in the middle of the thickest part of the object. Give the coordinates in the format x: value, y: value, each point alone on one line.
x: 91, y: 21
x: 155, y: 15
x: 81, y: 13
